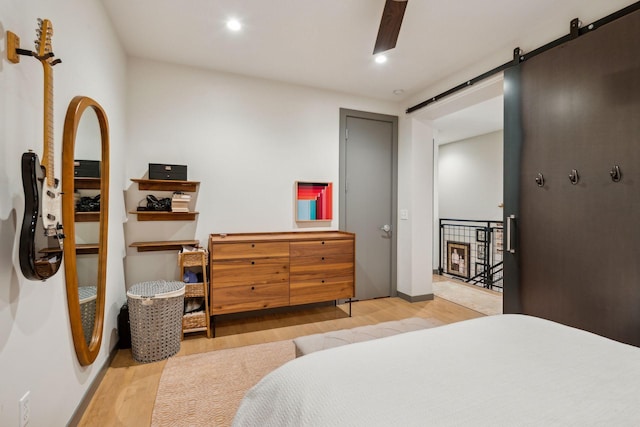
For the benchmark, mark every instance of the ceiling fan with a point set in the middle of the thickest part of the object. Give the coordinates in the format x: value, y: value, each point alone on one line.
x: 390, y: 25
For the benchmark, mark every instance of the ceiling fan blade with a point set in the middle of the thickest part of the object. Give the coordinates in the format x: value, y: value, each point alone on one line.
x: 390, y: 25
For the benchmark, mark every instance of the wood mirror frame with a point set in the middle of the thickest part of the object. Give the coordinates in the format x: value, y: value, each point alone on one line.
x: 86, y: 350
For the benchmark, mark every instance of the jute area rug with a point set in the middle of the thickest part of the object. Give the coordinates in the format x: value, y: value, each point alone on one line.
x: 480, y: 300
x: 206, y: 389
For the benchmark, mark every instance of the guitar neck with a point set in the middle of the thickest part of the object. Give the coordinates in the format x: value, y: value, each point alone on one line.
x: 47, y: 155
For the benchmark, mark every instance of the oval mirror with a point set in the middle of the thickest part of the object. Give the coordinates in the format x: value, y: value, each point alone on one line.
x: 85, y: 207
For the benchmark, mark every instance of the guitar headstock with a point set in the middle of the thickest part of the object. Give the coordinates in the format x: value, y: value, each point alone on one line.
x: 43, y: 42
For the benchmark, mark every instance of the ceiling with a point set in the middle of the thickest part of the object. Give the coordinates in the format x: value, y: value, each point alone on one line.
x: 328, y: 44
x: 478, y: 119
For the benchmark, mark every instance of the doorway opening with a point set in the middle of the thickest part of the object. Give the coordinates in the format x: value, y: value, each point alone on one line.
x: 468, y: 194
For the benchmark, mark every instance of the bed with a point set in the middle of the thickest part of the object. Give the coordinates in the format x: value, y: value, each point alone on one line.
x: 505, y: 370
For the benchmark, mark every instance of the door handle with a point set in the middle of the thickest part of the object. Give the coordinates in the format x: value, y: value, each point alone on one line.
x: 511, y: 221
x: 386, y: 228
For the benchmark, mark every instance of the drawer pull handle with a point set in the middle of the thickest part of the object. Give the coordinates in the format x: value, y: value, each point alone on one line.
x: 323, y: 258
x: 253, y: 262
x: 253, y: 288
x: 322, y: 281
x: 253, y: 245
x: 323, y: 243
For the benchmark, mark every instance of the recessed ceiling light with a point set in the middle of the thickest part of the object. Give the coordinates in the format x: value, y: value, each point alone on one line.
x: 234, y: 25
x: 381, y: 59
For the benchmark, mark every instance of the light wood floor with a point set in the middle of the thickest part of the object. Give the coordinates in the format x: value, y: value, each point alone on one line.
x: 126, y: 395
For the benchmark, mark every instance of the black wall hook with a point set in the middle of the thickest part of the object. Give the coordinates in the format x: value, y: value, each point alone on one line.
x: 540, y: 180
x: 24, y: 52
x: 574, y: 177
x: 615, y: 173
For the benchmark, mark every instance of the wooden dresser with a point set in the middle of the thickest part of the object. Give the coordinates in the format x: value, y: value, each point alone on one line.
x: 265, y: 270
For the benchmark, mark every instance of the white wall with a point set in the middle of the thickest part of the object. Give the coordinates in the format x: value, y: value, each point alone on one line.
x: 470, y: 178
x: 246, y: 140
x: 415, y: 195
x: 36, y: 348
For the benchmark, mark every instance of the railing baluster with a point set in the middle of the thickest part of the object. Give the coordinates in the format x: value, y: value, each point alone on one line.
x: 481, y: 243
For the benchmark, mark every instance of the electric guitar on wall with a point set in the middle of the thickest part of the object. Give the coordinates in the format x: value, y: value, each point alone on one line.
x: 41, y: 234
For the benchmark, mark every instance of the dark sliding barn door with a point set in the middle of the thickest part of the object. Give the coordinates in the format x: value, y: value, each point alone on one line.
x: 577, y: 244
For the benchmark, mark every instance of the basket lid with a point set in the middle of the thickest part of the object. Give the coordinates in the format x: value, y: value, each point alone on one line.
x: 156, y: 289
x: 86, y: 293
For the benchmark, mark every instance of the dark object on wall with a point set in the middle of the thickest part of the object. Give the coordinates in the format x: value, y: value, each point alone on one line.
x: 574, y: 177
x: 124, y: 329
x: 86, y: 168
x: 615, y: 174
x: 560, y: 269
x: 88, y: 204
x: 165, y: 171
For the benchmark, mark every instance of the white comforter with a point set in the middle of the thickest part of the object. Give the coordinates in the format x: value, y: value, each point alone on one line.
x: 508, y: 370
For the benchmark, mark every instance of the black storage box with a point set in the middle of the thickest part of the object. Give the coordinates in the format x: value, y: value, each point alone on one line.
x: 164, y: 171
x: 86, y: 168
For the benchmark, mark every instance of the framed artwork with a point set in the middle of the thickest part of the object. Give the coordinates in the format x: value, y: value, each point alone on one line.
x: 480, y: 251
x: 314, y: 201
x: 499, y: 240
x: 481, y: 235
x: 480, y: 268
x: 458, y: 259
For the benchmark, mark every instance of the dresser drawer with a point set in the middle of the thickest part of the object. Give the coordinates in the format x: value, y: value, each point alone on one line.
x: 249, y: 272
x: 321, y: 267
x: 309, y: 291
x: 224, y: 251
x: 245, y: 298
x: 321, y: 248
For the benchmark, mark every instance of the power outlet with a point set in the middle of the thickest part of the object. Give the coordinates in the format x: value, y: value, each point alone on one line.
x: 25, y: 409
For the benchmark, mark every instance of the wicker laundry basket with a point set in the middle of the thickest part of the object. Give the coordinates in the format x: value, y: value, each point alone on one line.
x: 155, y: 316
x: 87, y: 295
